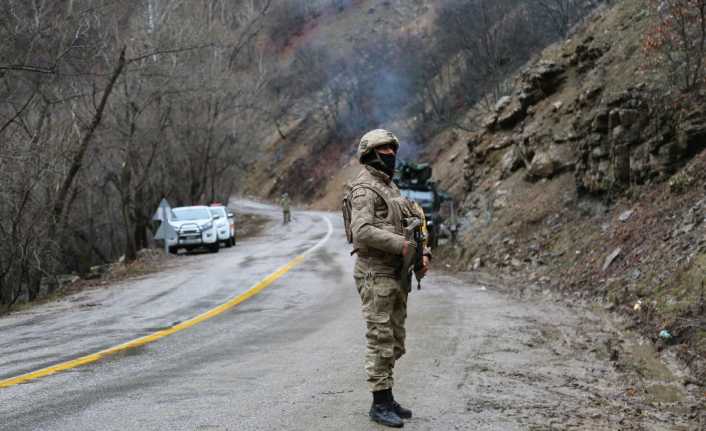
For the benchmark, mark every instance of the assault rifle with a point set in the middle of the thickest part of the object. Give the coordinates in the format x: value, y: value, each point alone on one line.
x: 419, y: 255
x: 414, y: 261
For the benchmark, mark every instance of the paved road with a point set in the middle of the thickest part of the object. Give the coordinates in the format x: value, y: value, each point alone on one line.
x: 291, y: 358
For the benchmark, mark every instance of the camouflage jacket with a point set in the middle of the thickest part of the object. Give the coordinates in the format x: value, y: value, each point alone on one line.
x: 377, y: 230
x: 284, y: 202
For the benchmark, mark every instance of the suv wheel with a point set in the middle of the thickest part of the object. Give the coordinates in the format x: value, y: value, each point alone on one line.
x: 213, y: 248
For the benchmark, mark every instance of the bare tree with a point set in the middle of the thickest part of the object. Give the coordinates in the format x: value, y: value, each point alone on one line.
x: 560, y: 16
x: 94, y: 99
x: 676, y: 42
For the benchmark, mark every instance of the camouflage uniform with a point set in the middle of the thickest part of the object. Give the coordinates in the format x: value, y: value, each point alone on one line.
x: 379, y: 222
x: 378, y: 237
x: 286, y: 213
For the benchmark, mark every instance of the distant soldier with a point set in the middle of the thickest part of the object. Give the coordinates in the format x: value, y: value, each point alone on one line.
x: 453, y: 223
x: 286, y: 213
x: 375, y: 214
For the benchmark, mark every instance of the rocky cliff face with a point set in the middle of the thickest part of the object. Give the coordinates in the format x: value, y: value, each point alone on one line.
x: 586, y: 180
x: 610, y: 141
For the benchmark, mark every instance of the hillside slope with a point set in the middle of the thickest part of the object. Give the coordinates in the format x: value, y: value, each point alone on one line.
x: 343, y: 43
x: 408, y: 66
x: 583, y: 181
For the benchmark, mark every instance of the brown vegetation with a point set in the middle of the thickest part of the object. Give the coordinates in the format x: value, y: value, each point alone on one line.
x: 106, y: 107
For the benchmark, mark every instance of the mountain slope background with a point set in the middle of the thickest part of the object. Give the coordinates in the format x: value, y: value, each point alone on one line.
x: 562, y: 128
x: 588, y: 179
x: 583, y: 174
x: 415, y: 67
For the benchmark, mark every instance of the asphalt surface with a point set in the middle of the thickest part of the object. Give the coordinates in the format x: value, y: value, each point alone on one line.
x: 291, y: 358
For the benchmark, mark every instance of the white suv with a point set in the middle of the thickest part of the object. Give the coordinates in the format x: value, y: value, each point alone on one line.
x: 226, y: 233
x: 195, y: 228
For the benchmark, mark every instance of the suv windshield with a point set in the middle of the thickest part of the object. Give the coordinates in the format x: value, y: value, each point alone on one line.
x: 425, y: 199
x: 184, y: 214
x: 218, y: 211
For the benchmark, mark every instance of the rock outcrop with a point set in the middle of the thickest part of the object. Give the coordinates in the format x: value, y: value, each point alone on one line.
x: 589, y: 179
x: 534, y: 84
x: 610, y: 140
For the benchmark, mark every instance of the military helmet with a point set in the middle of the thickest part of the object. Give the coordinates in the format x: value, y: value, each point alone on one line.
x: 376, y: 138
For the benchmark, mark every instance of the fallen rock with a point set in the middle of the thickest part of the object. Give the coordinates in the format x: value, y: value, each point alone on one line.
x: 511, y: 162
x: 502, y: 103
x: 625, y: 216
x: 546, y: 76
x: 501, y: 200
x: 587, y: 97
x: 611, y: 257
x: 512, y: 114
x: 477, y: 263
x: 563, y: 155
x: 542, y: 166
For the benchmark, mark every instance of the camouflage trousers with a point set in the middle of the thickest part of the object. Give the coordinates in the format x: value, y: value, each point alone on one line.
x: 385, y: 310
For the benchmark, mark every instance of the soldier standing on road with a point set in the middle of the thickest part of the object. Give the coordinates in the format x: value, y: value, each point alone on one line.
x: 286, y: 213
x: 376, y: 212
x: 453, y: 223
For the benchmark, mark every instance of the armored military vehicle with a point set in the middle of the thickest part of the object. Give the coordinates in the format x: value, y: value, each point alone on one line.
x: 414, y: 181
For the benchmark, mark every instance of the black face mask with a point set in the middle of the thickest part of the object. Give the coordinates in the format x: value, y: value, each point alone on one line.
x: 381, y: 162
x: 388, y: 163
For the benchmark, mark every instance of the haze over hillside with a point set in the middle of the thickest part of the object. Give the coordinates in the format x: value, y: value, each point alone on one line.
x: 415, y: 67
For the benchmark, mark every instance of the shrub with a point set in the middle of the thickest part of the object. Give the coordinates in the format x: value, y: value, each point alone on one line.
x: 676, y: 41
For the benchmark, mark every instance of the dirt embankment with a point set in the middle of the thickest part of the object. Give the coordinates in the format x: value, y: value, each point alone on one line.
x: 581, y: 182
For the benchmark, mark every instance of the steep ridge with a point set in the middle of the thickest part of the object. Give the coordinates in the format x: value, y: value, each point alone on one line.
x: 583, y: 181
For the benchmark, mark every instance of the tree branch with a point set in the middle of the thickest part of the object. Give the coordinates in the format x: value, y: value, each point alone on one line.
x: 78, y: 157
x: 28, y: 68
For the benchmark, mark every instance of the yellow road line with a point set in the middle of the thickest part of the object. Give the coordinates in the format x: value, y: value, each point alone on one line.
x: 151, y: 338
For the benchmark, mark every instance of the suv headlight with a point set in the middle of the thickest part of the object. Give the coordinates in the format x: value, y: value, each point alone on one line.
x: 207, y: 226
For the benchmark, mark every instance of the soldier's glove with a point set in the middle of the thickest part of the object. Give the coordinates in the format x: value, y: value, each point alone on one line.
x: 408, y: 266
x: 427, y: 253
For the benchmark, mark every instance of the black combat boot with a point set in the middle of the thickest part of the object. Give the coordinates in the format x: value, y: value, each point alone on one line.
x: 382, y: 411
x: 401, y: 411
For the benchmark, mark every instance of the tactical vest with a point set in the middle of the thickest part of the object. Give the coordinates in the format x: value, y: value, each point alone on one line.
x: 399, y: 209
x: 394, y: 204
